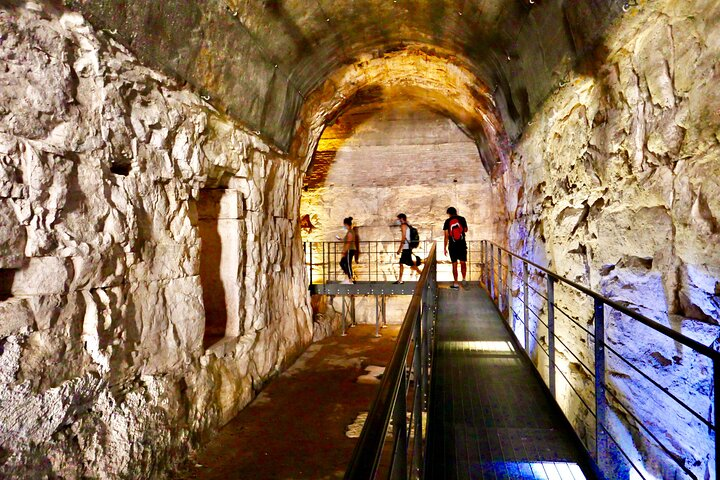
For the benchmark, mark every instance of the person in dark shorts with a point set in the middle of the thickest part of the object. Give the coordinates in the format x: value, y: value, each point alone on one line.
x: 404, y: 250
x: 348, y: 251
x: 455, y: 228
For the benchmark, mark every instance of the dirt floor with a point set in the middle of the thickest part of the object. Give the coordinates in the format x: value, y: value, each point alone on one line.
x: 295, y: 428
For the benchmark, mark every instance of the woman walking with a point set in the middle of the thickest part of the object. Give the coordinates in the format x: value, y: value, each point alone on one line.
x: 348, y: 251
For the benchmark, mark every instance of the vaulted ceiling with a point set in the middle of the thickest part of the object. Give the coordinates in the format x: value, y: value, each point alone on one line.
x: 258, y: 60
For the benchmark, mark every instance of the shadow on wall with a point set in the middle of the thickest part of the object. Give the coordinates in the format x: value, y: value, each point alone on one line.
x: 210, y: 265
x: 338, y: 130
x: 221, y: 226
x: 6, y: 281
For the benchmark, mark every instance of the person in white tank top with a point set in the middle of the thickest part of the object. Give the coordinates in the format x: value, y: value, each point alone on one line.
x: 404, y: 250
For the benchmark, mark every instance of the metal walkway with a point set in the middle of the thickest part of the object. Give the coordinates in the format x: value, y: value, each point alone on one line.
x: 490, y: 417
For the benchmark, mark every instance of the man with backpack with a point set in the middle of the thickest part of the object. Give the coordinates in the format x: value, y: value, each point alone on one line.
x: 455, y: 228
x: 409, y: 239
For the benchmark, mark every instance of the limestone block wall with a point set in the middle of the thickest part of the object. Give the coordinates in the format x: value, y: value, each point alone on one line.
x: 378, y: 160
x: 614, y: 184
x: 104, y: 238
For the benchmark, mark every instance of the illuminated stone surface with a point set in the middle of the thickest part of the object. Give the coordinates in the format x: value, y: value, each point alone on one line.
x: 376, y: 161
x: 620, y: 192
x: 102, y: 367
x: 605, y: 160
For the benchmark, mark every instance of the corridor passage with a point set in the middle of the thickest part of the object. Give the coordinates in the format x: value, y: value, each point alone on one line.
x: 489, y: 416
x: 296, y: 427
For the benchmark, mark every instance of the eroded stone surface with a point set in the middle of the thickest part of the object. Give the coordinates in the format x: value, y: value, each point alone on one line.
x: 102, y: 365
x: 619, y: 173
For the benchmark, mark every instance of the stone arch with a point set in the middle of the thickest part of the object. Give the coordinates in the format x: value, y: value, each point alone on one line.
x: 441, y: 80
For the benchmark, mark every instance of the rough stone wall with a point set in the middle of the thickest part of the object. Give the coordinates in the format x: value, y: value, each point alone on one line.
x: 614, y: 184
x: 102, y: 367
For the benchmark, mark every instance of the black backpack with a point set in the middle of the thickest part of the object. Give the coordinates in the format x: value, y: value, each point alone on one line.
x: 414, y: 237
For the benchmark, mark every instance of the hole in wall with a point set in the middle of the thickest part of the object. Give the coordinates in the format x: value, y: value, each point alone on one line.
x: 121, y: 165
x: 120, y: 169
x: 6, y: 281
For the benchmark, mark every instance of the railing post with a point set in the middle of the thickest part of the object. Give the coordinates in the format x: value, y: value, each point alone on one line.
x: 551, y: 333
x: 482, y: 262
x: 383, y: 304
x: 492, y: 272
x: 399, y: 465
x: 377, y: 315
x: 377, y: 254
x: 324, y: 273
x: 716, y: 420
x: 526, y: 308
x: 344, y: 325
x: 425, y: 348
x: 500, y: 283
x: 419, y: 395
x: 352, y: 310
x: 486, y: 267
x: 601, y: 439
x: 508, y: 294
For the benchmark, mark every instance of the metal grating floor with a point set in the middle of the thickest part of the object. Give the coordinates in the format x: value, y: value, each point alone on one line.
x: 489, y: 416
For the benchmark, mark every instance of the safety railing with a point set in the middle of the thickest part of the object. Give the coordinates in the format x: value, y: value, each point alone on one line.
x: 593, y: 353
x: 392, y: 442
x: 378, y: 261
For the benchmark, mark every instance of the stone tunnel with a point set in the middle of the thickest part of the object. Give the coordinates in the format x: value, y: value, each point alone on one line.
x: 162, y: 163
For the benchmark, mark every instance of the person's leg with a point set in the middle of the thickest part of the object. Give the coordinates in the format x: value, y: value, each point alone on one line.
x: 454, y: 259
x: 401, y: 273
x: 343, y: 264
x: 350, y: 268
x: 460, y: 255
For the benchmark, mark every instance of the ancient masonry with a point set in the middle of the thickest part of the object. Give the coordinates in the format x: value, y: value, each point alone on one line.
x: 151, y: 262
x: 105, y: 169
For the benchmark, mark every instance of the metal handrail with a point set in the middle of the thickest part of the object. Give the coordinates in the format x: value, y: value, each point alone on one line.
x: 375, y: 258
x: 687, y: 341
x: 390, y: 403
x: 501, y: 293
x: 378, y: 260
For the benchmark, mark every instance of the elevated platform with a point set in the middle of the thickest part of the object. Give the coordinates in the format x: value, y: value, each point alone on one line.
x: 490, y: 417
x: 363, y: 288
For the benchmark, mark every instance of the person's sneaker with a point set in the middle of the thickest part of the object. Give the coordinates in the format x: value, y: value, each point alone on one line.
x: 398, y: 282
x: 455, y: 286
x: 347, y: 281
